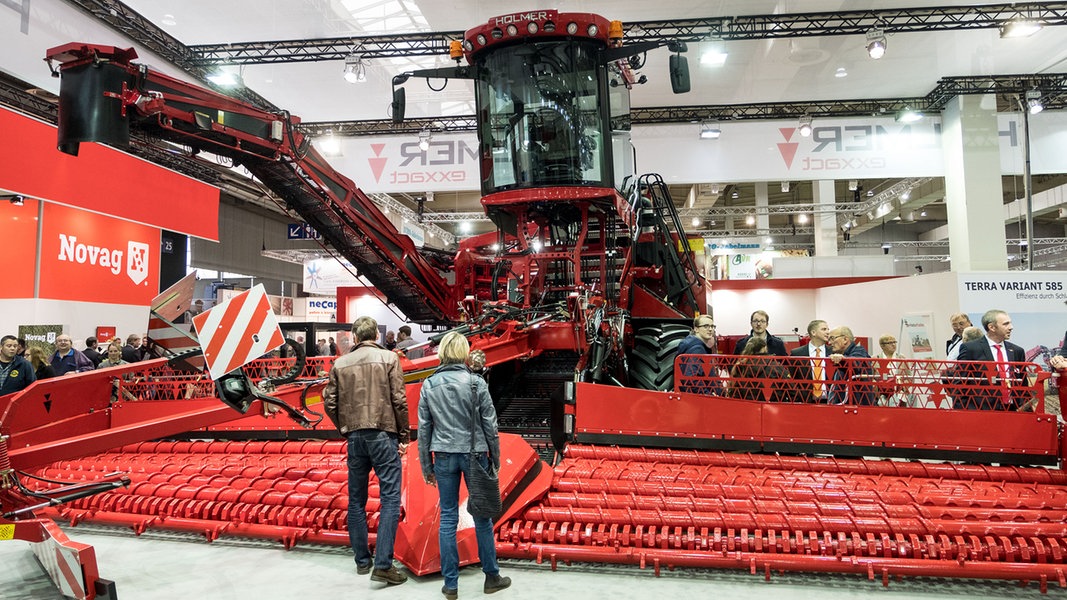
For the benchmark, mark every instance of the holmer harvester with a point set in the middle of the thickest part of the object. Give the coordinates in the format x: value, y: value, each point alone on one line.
x: 577, y: 300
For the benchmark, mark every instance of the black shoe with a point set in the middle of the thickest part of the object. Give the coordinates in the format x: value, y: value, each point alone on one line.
x: 392, y: 576
x: 363, y: 569
x: 495, y: 583
x: 450, y: 594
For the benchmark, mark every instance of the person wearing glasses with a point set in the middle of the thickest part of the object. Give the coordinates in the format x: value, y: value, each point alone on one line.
x: 845, y: 353
x: 759, y: 321
x: 893, y: 374
x: 68, y: 360
x: 703, y: 340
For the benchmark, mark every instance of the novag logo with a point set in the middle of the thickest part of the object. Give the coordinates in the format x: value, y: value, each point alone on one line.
x: 71, y: 250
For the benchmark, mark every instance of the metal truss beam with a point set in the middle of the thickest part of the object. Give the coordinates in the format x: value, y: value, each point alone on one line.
x: 745, y: 27
x: 1053, y: 86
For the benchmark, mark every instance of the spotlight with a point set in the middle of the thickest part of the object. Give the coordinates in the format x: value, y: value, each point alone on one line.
x: 906, y: 195
x: 696, y: 221
x: 785, y: 187
x: 1020, y: 28
x: 1033, y: 101
x: 713, y: 57
x: 710, y: 131
x: 225, y: 78
x: 805, y: 125
x: 17, y: 200
x: 330, y: 145
x: 908, y: 115
x: 735, y: 195
x: 853, y: 185
x: 355, y: 69
x: 841, y: 72
x: 424, y: 140
x: 802, y: 218
x: 876, y: 43
x: 750, y: 220
x: 886, y: 248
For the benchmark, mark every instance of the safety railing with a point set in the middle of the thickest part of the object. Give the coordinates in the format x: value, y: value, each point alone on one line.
x: 910, y: 383
x: 162, y: 382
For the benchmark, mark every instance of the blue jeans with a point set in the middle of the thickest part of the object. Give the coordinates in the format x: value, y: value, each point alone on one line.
x: 447, y: 467
x: 373, y: 448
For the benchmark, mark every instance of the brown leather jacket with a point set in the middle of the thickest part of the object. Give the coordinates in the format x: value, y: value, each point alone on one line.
x: 366, y: 391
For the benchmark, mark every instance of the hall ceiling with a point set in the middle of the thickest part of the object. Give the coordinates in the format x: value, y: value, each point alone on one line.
x: 759, y: 70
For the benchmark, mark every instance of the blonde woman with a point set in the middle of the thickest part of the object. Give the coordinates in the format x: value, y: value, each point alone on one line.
x: 448, y: 399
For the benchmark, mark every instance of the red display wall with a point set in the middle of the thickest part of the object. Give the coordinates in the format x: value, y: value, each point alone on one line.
x: 93, y: 258
x: 103, y: 180
x: 18, y: 228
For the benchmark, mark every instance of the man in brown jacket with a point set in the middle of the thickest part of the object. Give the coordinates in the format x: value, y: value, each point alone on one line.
x: 365, y: 399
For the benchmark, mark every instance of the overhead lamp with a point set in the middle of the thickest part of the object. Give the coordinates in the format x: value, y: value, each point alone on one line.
x: 464, y: 226
x: 424, y: 140
x: 1033, y: 101
x: 908, y: 115
x: 696, y: 221
x: 876, y: 43
x: 886, y: 248
x: 330, y: 145
x: 805, y: 125
x: 710, y: 131
x: 922, y: 213
x: 713, y: 57
x: 1020, y: 28
x: 225, y: 77
x: 906, y: 195
x: 714, y: 189
x: 355, y: 69
x: 785, y: 187
x: 750, y: 220
x: 802, y: 218
x: 840, y: 72
x: 853, y: 185
x: 735, y: 195
x: 17, y: 200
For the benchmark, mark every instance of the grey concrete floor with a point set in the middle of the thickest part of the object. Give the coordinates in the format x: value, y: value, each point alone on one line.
x: 168, y: 567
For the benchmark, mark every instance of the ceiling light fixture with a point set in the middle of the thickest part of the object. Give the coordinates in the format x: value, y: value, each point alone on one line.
x: 424, y: 140
x: 805, y: 125
x: 853, y: 185
x: 735, y: 195
x: 1020, y: 28
x: 802, y: 218
x: 225, y: 77
x: 785, y: 187
x: 713, y: 57
x: 17, y: 200
x: 355, y: 69
x: 330, y: 145
x: 906, y: 195
x: 696, y: 221
x: 750, y: 220
x: 710, y: 130
x: 908, y: 115
x: 1033, y: 101
x: 841, y: 72
x: 876, y: 43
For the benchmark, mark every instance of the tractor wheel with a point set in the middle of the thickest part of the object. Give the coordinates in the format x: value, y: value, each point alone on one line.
x: 652, y: 359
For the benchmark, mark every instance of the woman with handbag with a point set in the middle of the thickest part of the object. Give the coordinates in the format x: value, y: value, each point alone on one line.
x: 458, y: 435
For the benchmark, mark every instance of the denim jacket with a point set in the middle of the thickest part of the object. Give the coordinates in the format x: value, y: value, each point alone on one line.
x: 445, y: 416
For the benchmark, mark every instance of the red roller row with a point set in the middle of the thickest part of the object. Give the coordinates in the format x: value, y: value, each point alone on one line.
x: 772, y: 514
x: 654, y: 508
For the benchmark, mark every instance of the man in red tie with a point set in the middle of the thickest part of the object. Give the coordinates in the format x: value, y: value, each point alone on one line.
x: 994, y: 347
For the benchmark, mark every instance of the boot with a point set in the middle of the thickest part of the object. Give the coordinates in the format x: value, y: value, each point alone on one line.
x: 450, y: 594
x: 495, y: 583
x: 392, y: 576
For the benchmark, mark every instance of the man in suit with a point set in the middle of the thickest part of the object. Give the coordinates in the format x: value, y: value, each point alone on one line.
x: 759, y: 321
x: 959, y: 322
x: 814, y: 369
x: 997, y: 379
x: 852, y: 377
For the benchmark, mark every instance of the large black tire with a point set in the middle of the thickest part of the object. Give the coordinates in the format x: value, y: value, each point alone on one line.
x: 652, y: 359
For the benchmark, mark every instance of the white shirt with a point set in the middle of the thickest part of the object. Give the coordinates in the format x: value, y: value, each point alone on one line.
x: 822, y: 356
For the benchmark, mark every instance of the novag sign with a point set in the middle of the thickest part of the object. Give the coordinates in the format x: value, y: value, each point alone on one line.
x: 71, y: 250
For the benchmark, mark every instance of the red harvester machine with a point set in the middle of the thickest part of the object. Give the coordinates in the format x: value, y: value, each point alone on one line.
x: 578, y: 300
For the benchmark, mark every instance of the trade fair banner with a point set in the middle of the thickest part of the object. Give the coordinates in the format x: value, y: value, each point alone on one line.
x: 323, y: 276
x: 840, y: 148
x: 1033, y: 300
x: 94, y: 258
x: 41, y: 336
x: 915, y: 335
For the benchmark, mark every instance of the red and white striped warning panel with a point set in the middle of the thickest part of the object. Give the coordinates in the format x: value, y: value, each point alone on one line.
x: 238, y: 331
x: 63, y: 567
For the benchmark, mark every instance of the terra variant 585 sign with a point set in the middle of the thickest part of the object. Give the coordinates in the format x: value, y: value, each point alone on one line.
x: 94, y: 258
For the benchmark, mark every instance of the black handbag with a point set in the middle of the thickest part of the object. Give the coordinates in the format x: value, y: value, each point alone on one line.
x: 483, y: 485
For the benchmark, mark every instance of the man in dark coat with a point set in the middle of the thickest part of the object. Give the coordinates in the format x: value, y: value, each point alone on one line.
x: 759, y: 321
x: 995, y: 348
